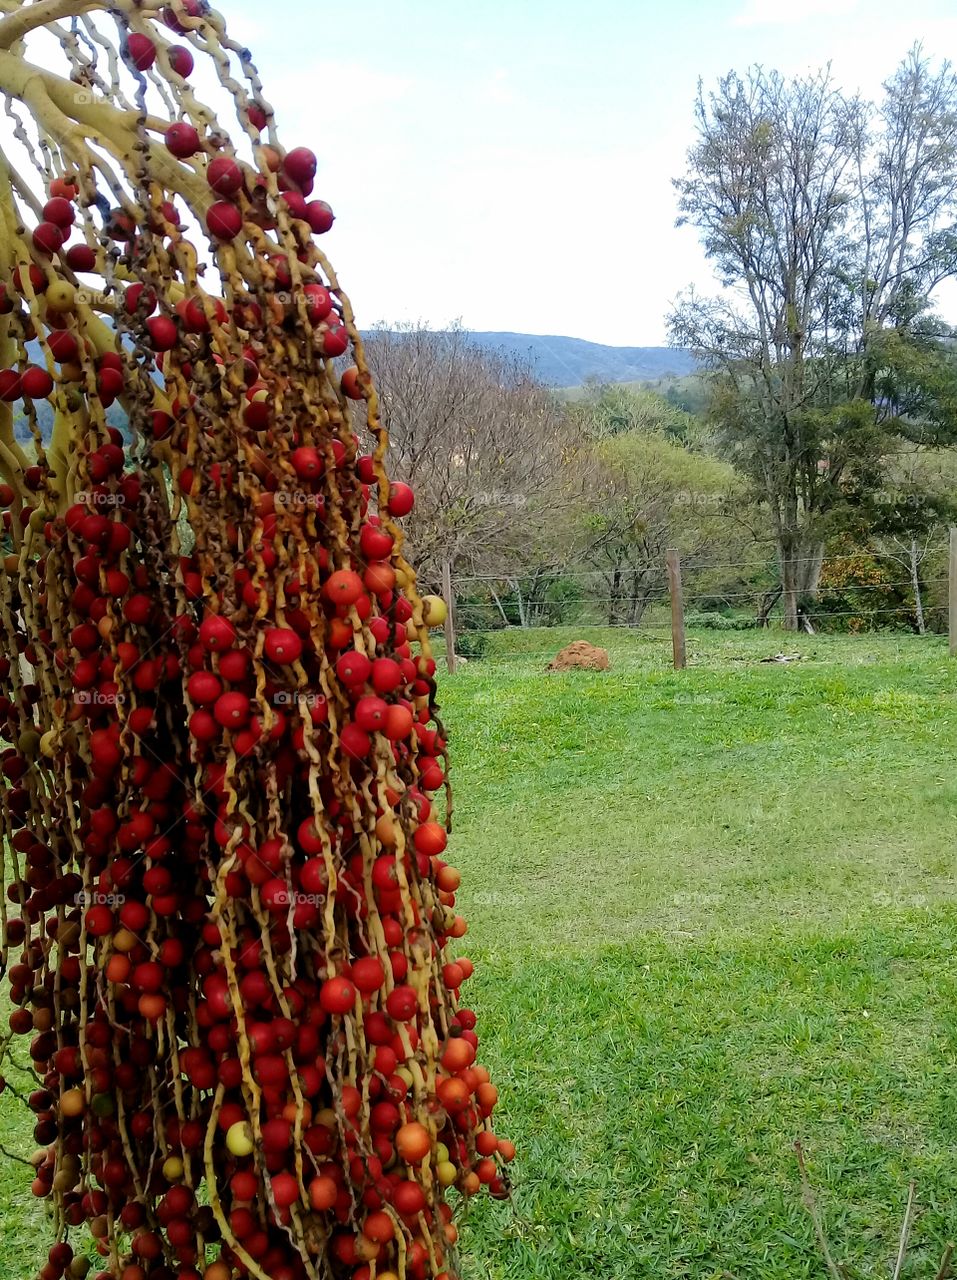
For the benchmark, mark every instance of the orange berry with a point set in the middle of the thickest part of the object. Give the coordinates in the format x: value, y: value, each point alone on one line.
x: 454, y: 1094
x: 413, y: 1143
x: 486, y: 1144
x: 323, y: 1192
x: 448, y: 879
x: 379, y: 1228
x: 457, y: 1056
x: 487, y: 1096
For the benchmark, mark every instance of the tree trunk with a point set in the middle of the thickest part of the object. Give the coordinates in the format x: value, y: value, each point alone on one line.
x: 641, y: 591
x: 613, y: 590
x: 500, y: 607
x: 790, y: 588
x: 812, y: 564
x: 639, y: 608
x: 522, y: 618
x: 915, y: 581
x: 768, y: 601
x: 800, y: 565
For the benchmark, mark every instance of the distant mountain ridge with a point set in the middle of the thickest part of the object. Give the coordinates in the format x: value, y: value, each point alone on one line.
x: 568, y: 362
x: 557, y: 361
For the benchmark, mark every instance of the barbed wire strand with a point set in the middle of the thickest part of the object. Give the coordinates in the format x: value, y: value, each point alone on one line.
x: 692, y: 568
x: 662, y: 596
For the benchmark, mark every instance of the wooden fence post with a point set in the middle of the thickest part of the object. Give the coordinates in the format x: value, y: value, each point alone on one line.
x: 449, y: 617
x: 673, y: 563
x: 952, y: 591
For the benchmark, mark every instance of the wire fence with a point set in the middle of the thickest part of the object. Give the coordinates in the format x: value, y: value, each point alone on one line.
x: 769, y: 564
x: 658, y: 594
x: 639, y: 599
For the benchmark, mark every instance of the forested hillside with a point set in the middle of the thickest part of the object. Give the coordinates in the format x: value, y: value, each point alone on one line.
x: 569, y: 362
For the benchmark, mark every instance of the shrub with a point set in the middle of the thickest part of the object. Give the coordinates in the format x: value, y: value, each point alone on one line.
x: 471, y: 645
x: 719, y: 621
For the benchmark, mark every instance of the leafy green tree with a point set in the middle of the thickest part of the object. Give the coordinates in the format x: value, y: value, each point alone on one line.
x: 641, y: 494
x: 608, y: 409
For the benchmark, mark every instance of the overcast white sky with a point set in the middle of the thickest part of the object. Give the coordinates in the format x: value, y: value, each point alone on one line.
x: 508, y: 162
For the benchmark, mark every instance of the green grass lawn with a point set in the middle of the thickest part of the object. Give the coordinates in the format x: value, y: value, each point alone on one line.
x: 712, y: 912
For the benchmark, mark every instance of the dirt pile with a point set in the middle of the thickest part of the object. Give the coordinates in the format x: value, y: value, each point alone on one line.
x: 581, y: 656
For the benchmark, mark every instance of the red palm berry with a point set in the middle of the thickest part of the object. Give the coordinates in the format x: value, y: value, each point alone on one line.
x: 182, y: 140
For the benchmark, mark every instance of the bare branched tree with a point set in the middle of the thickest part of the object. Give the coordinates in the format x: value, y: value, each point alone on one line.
x: 482, y: 442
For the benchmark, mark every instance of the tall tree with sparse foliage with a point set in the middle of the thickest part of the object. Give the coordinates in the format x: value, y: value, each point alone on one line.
x: 830, y: 222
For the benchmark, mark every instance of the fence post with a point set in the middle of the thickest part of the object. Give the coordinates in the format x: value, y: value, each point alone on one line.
x: 449, y: 616
x: 952, y: 591
x: 673, y: 563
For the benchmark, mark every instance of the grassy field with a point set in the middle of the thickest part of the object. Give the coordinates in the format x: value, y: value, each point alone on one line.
x: 712, y: 912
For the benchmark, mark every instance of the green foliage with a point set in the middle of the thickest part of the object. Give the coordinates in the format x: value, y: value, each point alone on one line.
x: 546, y: 599
x: 646, y: 493
x: 471, y: 645
x: 829, y: 220
x: 559, y: 601
x: 690, y: 393
x: 718, y: 621
x: 475, y: 609
x: 915, y: 379
x: 614, y: 409
x: 862, y: 592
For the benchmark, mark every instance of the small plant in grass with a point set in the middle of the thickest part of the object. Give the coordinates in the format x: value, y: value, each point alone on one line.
x: 840, y: 1270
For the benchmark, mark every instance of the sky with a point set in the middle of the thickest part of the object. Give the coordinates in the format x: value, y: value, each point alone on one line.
x: 508, y: 163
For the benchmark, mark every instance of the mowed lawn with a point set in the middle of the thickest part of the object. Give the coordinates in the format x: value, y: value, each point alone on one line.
x: 712, y: 912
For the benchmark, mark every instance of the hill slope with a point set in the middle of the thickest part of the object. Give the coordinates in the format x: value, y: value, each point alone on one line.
x: 557, y: 361
x: 568, y: 362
